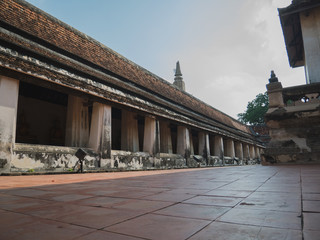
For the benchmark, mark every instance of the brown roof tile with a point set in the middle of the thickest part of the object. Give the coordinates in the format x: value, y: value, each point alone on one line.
x: 32, y: 20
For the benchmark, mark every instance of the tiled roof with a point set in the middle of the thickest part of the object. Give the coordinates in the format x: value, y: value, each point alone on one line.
x: 41, y: 25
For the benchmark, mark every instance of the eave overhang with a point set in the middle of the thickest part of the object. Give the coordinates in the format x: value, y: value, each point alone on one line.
x: 291, y: 28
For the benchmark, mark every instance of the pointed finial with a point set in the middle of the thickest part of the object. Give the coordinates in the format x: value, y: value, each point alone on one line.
x: 178, y: 79
x: 178, y: 70
x: 273, y: 77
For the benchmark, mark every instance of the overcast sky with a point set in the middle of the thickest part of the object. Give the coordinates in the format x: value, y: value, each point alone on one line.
x: 226, y: 48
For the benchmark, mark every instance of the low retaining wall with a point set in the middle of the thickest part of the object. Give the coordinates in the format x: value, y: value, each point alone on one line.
x: 49, y: 159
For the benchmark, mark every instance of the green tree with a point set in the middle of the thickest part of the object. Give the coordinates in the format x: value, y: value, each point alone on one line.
x: 256, y: 110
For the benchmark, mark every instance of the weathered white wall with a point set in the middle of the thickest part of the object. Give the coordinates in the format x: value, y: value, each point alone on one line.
x: 9, y: 92
x: 310, y: 26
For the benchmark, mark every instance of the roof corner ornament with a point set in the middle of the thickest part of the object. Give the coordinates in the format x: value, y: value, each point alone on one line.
x: 273, y: 77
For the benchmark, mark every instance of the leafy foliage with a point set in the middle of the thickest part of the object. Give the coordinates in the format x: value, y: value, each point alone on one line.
x: 256, y: 110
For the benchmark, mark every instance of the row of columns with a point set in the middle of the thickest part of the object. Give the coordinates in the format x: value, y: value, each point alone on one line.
x: 98, y: 136
x: 157, y: 137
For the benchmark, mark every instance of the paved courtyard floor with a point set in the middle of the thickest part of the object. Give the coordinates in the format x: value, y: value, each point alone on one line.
x: 247, y: 202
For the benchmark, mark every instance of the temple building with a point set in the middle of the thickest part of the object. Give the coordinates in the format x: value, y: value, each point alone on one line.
x: 62, y: 92
x: 294, y: 112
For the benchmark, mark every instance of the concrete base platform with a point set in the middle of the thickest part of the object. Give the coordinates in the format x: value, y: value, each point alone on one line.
x: 246, y: 202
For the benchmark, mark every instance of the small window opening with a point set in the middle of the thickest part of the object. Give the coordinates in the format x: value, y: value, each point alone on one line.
x: 41, y: 115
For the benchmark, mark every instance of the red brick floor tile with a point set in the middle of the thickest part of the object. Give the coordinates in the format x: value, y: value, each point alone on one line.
x: 311, y: 235
x: 159, y: 199
x: 27, y: 192
x: 44, y: 229
x: 310, y: 178
x: 192, y: 191
x: 100, y: 201
x: 194, y: 211
x: 311, y: 206
x: 311, y: 196
x: 69, y: 197
x: 276, y: 195
x: 169, y: 197
x: 103, y: 235
x: 280, y: 187
x: 153, y: 226
x: 9, y: 220
x: 227, y: 231
x: 55, y: 210
x: 141, y: 205
x: 277, y: 204
x: 98, y: 218
x: 101, y: 192
x: 311, y: 221
x: 132, y: 193
x: 244, y: 186
x: 19, y: 204
x: 207, y: 185
x: 264, y: 218
x: 227, y: 193
x: 69, y: 188
x: 311, y: 187
x: 279, y: 234
x: 214, y: 201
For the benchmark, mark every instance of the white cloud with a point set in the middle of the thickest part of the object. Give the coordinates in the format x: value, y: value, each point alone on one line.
x: 229, y: 64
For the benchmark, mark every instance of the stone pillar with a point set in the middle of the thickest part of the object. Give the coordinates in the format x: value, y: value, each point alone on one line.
x: 9, y: 93
x: 100, y: 130
x: 208, y: 145
x: 246, y: 152
x: 257, y: 152
x: 202, y: 143
x: 191, y: 144
x: 183, y: 141
x: 218, y: 147
x: 252, y: 152
x: 311, y: 34
x: 206, y: 151
x: 239, y: 150
x: 165, y: 138
x: 230, y: 148
x: 151, y: 135
x: 129, y: 132
x: 77, y: 127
